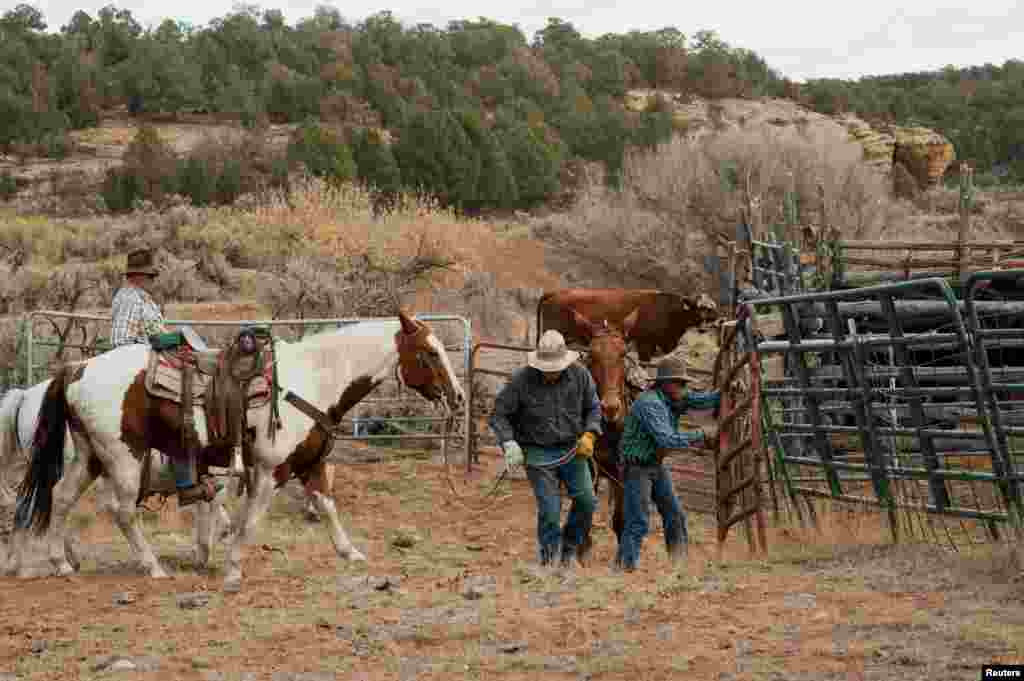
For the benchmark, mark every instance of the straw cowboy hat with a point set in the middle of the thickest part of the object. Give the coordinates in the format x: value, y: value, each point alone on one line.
x: 672, y: 369
x: 141, y: 261
x: 551, y: 353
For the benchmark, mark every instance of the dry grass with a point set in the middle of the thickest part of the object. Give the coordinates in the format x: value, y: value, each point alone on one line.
x: 338, y: 223
x: 106, y: 135
x: 314, y: 220
x: 319, y: 252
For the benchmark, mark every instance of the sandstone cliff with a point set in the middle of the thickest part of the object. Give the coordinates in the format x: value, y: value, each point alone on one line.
x: 924, y: 153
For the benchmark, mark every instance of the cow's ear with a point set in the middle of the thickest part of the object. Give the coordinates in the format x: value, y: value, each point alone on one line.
x: 630, y: 322
x: 584, y: 325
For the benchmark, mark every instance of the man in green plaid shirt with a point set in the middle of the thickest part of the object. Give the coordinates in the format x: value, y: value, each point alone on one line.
x: 651, y: 427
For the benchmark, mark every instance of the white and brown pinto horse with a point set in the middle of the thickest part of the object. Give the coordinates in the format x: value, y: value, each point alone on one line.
x: 112, y: 419
x: 19, y: 415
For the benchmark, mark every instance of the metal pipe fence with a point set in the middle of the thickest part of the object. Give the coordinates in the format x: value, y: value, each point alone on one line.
x: 75, y: 336
x: 913, y: 418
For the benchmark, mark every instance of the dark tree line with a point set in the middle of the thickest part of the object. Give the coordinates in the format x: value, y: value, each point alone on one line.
x: 481, y: 115
x: 478, y: 114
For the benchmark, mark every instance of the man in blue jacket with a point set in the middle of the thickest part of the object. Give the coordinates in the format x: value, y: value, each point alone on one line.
x: 550, y: 410
x: 651, y: 427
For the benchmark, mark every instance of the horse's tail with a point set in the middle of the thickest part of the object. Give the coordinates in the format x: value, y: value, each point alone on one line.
x: 46, y: 467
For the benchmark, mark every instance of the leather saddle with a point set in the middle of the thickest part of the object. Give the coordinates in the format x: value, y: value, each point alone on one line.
x: 226, y: 382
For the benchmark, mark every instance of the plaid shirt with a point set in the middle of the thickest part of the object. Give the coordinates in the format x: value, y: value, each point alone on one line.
x: 652, y: 424
x: 135, y: 317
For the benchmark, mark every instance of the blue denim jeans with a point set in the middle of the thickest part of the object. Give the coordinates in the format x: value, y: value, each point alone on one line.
x: 182, y: 472
x: 643, y: 484
x: 576, y: 475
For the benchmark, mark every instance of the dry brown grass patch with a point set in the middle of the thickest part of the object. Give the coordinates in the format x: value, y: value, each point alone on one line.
x: 106, y: 135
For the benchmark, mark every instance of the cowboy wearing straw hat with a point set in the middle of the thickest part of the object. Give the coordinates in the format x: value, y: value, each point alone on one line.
x: 548, y: 416
x: 651, y: 428
x: 135, y: 317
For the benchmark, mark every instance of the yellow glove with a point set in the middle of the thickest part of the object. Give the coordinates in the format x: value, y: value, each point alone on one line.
x: 585, y: 445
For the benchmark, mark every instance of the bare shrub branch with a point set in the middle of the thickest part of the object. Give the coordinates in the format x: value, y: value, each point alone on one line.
x: 676, y: 202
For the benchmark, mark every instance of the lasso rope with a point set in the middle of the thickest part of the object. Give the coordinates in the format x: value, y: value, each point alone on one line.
x: 476, y: 509
x: 555, y: 464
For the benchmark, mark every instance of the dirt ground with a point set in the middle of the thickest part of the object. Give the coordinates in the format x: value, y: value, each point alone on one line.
x: 456, y: 597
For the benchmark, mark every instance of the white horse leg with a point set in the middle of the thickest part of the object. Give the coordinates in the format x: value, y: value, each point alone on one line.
x: 202, y: 531
x: 257, y: 502
x: 224, y: 525
x: 66, y: 493
x: 342, y: 545
x: 106, y: 502
x: 312, y: 509
x: 106, y: 497
x: 212, y: 523
x: 125, y: 481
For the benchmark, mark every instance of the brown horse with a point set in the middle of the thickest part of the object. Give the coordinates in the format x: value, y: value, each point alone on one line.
x: 606, y: 359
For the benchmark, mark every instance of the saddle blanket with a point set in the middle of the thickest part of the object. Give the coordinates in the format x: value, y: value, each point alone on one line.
x: 164, y: 374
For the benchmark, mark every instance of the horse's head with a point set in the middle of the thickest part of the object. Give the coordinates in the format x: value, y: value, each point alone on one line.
x: 423, y: 363
x: 608, y: 347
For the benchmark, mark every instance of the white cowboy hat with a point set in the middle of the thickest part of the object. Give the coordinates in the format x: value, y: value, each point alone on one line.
x: 551, y: 353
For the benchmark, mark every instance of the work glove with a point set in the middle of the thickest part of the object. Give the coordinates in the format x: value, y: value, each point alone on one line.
x: 585, y: 445
x: 710, y: 440
x: 513, y: 455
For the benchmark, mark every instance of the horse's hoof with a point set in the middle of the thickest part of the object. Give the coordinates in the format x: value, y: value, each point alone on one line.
x: 65, y: 569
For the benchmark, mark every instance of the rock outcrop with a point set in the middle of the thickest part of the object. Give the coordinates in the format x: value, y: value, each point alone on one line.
x: 924, y: 153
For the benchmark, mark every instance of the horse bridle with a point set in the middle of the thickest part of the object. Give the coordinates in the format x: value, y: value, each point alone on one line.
x: 418, y: 364
x: 619, y: 391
